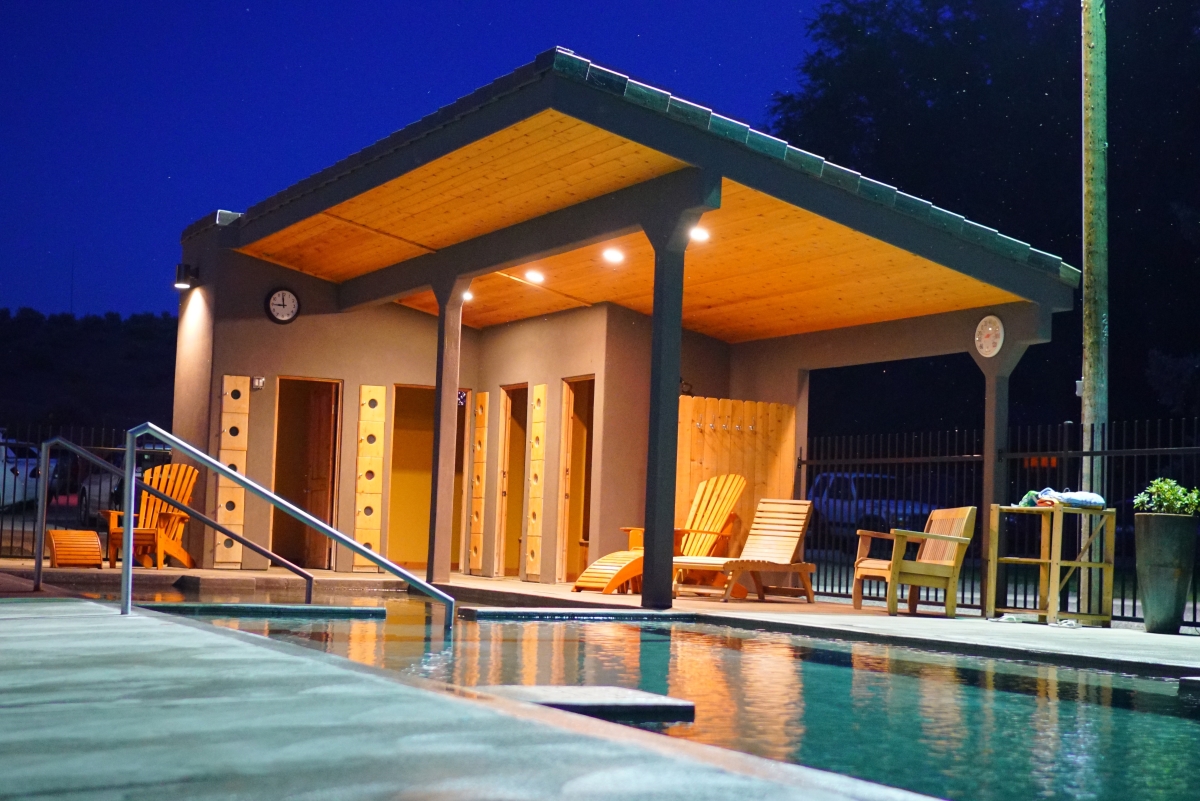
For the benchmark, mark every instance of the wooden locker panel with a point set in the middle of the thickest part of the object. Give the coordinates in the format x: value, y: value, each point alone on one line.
x: 537, y: 440
x: 235, y: 394
x: 537, y: 479
x: 368, y: 475
x: 234, y: 427
x: 230, y: 503
x: 228, y: 551
x: 477, y: 471
x: 232, y: 459
x: 372, y: 403
x: 476, y: 519
x: 368, y: 508
x: 369, y: 537
x: 533, y: 539
x: 537, y: 404
x: 370, y: 438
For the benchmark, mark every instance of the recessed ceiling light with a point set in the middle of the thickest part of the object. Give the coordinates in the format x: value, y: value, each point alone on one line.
x: 534, y: 277
x: 613, y: 256
x: 468, y: 295
x: 699, y: 234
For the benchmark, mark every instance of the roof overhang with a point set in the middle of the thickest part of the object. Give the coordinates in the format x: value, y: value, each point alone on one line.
x: 557, y: 162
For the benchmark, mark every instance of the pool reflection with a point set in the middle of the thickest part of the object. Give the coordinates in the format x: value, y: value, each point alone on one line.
x: 949, y: 726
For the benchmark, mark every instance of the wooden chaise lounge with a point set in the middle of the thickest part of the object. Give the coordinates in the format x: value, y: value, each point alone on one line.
x: 775, y: 545
x: 939, y: 559
x: 709, y: 518
x: 159, y: 527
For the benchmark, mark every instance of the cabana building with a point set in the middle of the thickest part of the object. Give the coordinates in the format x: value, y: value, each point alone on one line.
x: 547, y: 311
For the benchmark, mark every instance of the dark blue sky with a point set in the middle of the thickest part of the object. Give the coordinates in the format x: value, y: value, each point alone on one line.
x: 122, y: 122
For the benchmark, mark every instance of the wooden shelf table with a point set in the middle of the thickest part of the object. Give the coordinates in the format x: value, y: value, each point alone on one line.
x: 1051, y: 564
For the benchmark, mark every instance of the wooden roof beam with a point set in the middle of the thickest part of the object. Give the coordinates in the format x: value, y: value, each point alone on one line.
x: 585, y: 223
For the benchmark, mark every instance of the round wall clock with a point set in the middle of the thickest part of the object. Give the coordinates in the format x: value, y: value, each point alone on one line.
x: 989, y: 336
x: 283, y: 306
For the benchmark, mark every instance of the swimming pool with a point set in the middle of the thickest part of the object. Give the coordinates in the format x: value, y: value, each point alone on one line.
x: 949, y: 726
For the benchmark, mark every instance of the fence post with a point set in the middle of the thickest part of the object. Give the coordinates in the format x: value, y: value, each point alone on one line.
x: 127, y: 516
x: 39, y: 531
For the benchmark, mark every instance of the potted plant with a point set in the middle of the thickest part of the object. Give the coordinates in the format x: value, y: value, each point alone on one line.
x: 1165, y: 536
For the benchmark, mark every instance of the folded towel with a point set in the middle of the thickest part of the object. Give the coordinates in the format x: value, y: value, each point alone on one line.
x: 1078, y: 500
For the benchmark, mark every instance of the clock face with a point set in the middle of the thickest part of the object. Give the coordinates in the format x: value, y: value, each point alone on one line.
x: 283, y: 306
x: 989, y: 336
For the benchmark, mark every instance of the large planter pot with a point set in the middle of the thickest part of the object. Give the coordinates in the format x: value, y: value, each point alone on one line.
x: 1166, y: 553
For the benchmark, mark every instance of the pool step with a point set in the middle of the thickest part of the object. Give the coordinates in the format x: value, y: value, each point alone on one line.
x: 618, y: 704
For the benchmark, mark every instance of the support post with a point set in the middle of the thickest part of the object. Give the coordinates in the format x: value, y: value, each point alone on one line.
x: 39, y: 532
x: 669, y: 234
x: 1095, y: 231
x: 800, y: 480
x: 449, y: 296
x: 996, y: 371
x: 129, y: 507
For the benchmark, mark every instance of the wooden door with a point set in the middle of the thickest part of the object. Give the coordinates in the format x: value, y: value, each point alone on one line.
x: 320, y: 469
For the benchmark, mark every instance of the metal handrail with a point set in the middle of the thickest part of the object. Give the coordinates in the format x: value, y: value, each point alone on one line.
x: 39, y: 535
x: 422, y: 586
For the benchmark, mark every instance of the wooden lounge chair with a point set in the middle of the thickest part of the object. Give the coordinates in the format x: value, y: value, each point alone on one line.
x: 775, y: 545
x: 708, y: 520
x: 74, y: 548
x: 159, y: 526
x: 943, y: 545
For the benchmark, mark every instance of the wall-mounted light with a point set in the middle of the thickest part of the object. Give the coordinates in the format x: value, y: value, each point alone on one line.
x: 186, y: 276
x: 534, y: 277
x: 468, y: 295
x: 699, y: 234
x: 613, y: 256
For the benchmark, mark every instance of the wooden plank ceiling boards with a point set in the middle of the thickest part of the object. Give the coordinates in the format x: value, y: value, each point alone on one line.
x: 768, y: 269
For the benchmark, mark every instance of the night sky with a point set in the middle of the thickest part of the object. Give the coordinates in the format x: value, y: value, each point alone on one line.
x: 120, y: 123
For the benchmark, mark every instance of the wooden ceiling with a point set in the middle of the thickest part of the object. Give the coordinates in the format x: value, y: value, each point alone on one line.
x: 546, y: 162
x: 769, y: 269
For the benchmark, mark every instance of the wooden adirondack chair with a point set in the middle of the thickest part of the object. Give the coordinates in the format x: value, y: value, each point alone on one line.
x: 775, y: 545
x: 159, y: 526
x: 939, y: 560
x: 708, y: 521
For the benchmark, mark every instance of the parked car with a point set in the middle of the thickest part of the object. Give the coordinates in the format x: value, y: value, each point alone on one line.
x: 19, y: 476
x: 101, y: 489
x: 846, y: 502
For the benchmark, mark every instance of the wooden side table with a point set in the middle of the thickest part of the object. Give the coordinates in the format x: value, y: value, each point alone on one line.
x: 1050, y: 563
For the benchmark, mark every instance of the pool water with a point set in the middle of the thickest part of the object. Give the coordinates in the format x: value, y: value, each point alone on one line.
x: 948, y: 726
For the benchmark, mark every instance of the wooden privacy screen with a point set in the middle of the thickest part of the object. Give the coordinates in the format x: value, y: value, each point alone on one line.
x: 235, y: 424
x: 478, y: 484
x: 755, y: 440
x: 368, y: 473
x: 537, y: 469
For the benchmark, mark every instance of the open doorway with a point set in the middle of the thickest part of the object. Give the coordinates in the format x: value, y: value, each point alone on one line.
x: 575, y: 479
x: 510, y: 514
x: 306, y: 440
x: 412, y: 477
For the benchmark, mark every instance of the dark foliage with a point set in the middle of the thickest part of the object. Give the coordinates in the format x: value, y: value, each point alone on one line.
x: 976, y: 106
x: 89, y: 371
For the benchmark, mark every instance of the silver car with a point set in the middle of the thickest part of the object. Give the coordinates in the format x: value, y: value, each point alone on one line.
x: 101, y: 490
x: 19, y: 475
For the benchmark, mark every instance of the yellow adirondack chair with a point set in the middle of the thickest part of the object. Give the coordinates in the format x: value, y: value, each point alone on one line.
x: 939, y: 560
x: 708, y: 520
x: 159, y: 526
x: 775, y: 545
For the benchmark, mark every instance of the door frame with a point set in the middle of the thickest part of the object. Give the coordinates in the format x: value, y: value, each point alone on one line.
x: 335, y: 477
x: 464, y: 517
x: 565, y: 440
x: 502, y: 488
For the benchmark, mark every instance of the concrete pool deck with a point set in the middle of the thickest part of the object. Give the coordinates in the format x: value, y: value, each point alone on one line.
x: 1123, y: 649
x: 95, y: 705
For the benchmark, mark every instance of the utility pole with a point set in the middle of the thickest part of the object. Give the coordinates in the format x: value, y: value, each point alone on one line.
x: 1095, y: 268
x: 1095, y: 219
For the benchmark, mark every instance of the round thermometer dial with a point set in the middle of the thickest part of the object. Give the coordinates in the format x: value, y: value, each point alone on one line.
x: 989, y: 336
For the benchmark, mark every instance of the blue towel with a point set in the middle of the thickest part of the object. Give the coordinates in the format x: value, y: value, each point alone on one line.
x: 1079, y: 500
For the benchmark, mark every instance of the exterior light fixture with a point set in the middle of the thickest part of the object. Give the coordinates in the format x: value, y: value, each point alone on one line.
x: 468, y: 295
x: 613, y: 256
x: 186, y: 276
x: 699, y: 234
x: 534, y: 277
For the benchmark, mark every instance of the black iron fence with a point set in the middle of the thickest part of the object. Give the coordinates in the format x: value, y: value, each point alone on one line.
x: 878, y: 482
x: 77, y: 492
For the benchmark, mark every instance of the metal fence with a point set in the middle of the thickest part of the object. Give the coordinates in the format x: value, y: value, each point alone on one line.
x: 878, y: 482
x: 77, y: 492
